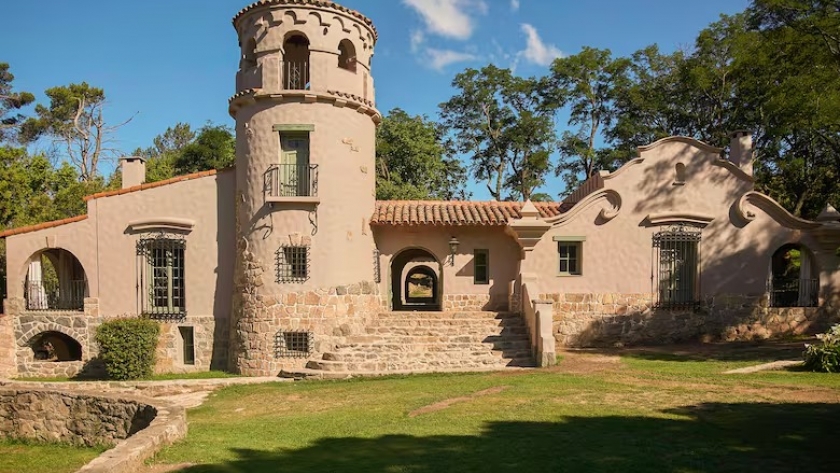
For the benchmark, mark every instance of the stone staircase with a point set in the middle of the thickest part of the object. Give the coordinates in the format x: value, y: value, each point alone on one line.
x: 414, y: 342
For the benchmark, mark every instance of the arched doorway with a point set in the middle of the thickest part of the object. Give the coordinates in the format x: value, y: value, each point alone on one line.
x: 55, y: 280
x: 296, y: 62
x: 55, y: 346
x: 416, y: 280
x: 794, y: 279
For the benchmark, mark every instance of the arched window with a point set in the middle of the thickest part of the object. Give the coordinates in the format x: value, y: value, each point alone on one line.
x: 55, y: 280
x: 249, y: 55
x: 679, y: 179
x: 347, y: 55
x: 296, y: 62
x: 793, y: 278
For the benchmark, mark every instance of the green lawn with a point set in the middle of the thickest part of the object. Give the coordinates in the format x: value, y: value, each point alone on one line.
x: 17, y: 457
x: 644, y: 412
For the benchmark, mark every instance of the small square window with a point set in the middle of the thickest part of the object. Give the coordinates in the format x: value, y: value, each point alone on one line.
x: 481, y: 267
x: 188, y: 340
x: 569, y: 257
x: 292, y: 263
x: 293, y: 344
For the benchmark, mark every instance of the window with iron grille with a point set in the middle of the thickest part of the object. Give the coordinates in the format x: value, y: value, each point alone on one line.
x: 293, y: 344
x: 161, y: 276
x: 676, y: 267
x: 292, y: 264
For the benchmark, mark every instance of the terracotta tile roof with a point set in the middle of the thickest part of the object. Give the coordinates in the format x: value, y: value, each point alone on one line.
x: 41, y: 226
x: 316, y: 3
x: 415, y: 212
x: 152, y: 185
x: 346, y: 95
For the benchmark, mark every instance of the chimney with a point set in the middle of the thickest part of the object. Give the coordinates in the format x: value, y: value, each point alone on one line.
x: 133, y: 171
x: 741, y: 150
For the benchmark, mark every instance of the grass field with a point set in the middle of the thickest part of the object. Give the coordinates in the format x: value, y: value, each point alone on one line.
x: 641, y: 412
x: 18, y: 457
x: 156, y: 377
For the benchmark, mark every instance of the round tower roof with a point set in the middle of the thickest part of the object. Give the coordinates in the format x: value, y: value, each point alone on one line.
x: 316, y: 3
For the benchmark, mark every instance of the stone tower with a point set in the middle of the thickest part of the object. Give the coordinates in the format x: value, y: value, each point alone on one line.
x: 305, y: 182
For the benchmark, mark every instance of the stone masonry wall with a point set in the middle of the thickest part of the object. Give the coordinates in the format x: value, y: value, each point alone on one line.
x: 474, y: 302
x: 210, y: 341
x: 330, y: 314
x: 75, y: 418
x: 618, y: 319
x: 8, y: 366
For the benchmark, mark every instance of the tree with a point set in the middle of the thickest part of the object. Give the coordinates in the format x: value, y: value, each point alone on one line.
x: 10, y: 103
x: 411, y: 161
x: 165, y: 149
x: 586, y: 82
x: 75, y: 122
x: 213, y: 148
x: 505, y: 126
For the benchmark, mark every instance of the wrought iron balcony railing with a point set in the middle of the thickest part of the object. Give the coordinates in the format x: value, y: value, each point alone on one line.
x: 285, y: 181
x: 794, y: 292
x: 295, y: 75
x: 55, y: 295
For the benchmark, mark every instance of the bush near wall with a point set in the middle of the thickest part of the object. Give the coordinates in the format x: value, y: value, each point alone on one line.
x: 825, y: 356
x: 127, y: 347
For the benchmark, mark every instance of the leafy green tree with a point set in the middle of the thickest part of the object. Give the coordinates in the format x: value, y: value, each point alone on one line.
x: 10, y: 103
x: 411, y: 160
x: 506, y: 128
x: 213, y: 148
x: 75, y: 122
x: 587, y: 83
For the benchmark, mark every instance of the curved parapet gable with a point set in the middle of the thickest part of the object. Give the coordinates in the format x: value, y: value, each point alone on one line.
x: 681, y: 139
x: 607, y: 213
x: 773, y: 209
x: 734, y: 169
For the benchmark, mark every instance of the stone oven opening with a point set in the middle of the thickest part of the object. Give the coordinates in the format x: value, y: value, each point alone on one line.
x: 55, y: 346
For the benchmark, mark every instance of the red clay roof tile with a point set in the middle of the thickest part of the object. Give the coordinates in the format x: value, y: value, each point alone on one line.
x: 41, y: 226
x: 414, y: 212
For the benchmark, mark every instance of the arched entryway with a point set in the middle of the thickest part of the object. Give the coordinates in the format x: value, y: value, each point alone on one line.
x: 55, y: 346
x: 416, y: 280
x: 794, y: 279
x: 296, y: 61
x: 55, y: 280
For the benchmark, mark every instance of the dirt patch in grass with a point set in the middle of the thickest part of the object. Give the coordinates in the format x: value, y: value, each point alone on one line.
x: 455, y: 400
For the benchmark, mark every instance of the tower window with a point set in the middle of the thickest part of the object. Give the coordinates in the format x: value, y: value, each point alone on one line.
x: 296, y: 62
x: 347, y: 55
x: 292, y: 264
x: 249, y: 55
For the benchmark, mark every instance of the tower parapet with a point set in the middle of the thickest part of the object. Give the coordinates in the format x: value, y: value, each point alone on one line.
x: 305, y: 137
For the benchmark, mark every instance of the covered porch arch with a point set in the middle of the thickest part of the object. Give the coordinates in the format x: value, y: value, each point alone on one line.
x: 416, y: 280
x: 55, y: 280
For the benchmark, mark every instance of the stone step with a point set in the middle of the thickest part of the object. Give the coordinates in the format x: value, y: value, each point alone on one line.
x: 448, y: 331
x: 442, y: 323
x: 477, y: 315
x: 419, y: 365
x: 410, y: 339
x: 458, y: 356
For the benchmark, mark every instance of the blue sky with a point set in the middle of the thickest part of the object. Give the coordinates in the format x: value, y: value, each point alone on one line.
x: 173, y: 61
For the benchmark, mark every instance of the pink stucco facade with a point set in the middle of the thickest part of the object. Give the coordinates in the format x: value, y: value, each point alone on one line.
x: 291, y: 242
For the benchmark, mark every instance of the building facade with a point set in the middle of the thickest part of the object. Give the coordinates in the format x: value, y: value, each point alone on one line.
x: 288, y: 263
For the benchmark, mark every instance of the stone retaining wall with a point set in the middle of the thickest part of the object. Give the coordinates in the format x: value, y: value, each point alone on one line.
x: 136, y: 426
x: 475, y: 302
x: 608, y: 319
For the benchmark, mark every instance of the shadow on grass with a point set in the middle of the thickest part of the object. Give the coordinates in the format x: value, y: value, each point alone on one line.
x: 758, y: 351
x: 703, y: 438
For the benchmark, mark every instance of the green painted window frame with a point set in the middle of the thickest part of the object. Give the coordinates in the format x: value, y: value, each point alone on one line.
x: 573, y: 254
x: 485, y: 265
x: 169, y: 276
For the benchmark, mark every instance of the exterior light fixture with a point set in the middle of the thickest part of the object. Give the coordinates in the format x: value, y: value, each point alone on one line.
x: 453, y: 248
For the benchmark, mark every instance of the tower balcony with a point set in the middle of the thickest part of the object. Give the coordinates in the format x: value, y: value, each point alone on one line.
x: 291, y: 183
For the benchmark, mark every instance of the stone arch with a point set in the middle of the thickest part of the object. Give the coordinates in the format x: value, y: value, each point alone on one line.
x: 420, y: 285
x: 295, y: 73
x: 793, y: 279
x: 54, y: 345
x: 420, y: 261
x: 54, y: 279
x: 347, y: 55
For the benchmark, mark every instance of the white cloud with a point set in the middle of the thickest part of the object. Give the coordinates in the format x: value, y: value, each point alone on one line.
x: 536, y: 51
x: 514, y: 5
x: 417, y: 39
x: 438, y: 59
x: 449, y: 18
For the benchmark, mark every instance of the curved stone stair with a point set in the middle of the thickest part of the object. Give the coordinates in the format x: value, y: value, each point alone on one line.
x: 417, y: 342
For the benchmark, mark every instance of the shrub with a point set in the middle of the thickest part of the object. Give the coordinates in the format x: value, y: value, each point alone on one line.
x: 127, y: 347
x: 824, y: 356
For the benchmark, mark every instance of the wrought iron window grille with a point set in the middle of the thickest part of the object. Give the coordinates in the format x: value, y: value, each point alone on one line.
x: 293, y: 344
x: 676, y: 267
x: 377, y: 271
x: 292, y: 264
x: 160, y: 280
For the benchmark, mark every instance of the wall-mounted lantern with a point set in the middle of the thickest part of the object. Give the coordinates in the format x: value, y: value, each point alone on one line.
x: 453, y: 248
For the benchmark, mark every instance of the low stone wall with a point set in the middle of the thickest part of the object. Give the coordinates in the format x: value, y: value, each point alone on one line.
x: 7, y: 346
x: 475, y: 302
x: 608, y: 319
x: 134, y: 425
x: 330, y: 314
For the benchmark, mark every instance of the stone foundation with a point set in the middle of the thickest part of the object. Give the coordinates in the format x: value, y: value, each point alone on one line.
x: 329, y: 314
x: 475, y: 302
x: 210, y: 342
x: 610, y: 319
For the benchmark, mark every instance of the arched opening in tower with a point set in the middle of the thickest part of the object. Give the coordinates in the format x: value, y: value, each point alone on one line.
x: 296, y: 62
x: 55, y: 346
x: 347, y: 55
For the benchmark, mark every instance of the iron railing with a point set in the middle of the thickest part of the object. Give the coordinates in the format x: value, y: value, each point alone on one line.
x: 794, y: 292
x: 292, y: 180
x: 55, y: 295
x: 295, y: 75
x: 676, y: 267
